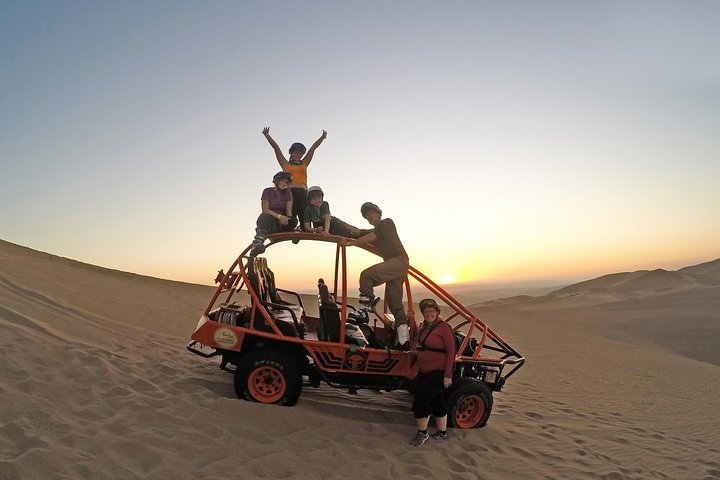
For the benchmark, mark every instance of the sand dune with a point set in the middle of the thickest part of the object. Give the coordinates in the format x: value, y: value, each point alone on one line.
x: 96, y: 384
x: 618, y: 287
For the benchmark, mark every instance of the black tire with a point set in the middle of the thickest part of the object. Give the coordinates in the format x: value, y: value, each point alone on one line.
x: 469, y: 403
x: 268, y: 376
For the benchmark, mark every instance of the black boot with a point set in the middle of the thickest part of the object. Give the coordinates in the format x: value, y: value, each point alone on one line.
x: 367, y: 305
x: 368, y: 302
x: 258, y: 246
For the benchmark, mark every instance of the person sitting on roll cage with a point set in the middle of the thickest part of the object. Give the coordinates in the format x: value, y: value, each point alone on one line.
x: 297, y: 166
x: 276, y: 204
x: 392, y: 271
x: 319, y: 220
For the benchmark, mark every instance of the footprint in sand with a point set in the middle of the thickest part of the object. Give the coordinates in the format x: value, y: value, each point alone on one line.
x: 621, y: 440
x: 142, y: 385
x: 118, y: 391
x: 613, y: 476
x: 523, y: 452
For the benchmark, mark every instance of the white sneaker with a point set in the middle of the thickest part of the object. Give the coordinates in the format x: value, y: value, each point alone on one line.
x: 403, y: 334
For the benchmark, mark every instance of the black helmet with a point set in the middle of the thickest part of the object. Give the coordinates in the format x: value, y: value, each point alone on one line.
x: 280, y: 175
x: 429, y: 303
x: 297, y: 146
x: 369, y: 206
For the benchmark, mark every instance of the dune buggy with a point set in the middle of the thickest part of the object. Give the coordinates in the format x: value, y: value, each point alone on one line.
x: 277, y: 343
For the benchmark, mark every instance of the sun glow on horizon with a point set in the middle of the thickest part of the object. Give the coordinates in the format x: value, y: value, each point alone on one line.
x: 446, y: 278
x: 447, y: 270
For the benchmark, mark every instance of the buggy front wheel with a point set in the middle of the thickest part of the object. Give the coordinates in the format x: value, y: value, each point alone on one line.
x: 268, y: 376
x: 469, y: 403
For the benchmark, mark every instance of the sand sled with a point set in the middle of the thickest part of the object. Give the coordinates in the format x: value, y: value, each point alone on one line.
x: 273, y: 345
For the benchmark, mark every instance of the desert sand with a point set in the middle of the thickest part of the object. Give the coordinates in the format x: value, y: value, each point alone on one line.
x: 622, y: 381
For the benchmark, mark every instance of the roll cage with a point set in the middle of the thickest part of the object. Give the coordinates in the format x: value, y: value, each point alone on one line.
x: 479, y: 348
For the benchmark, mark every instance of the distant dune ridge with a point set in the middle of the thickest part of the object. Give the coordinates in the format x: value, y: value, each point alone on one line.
x: 622, y: 381
x: 624, y: 286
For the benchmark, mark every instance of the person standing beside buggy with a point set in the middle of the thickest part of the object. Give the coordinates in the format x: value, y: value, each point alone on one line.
x: 319, y: 220
x: 276, y: 204
x: 435, y: 361
x: 392, y: 271
x: 297, y: 166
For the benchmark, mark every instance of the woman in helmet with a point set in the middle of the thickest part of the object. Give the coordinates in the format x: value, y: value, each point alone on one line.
x: 318, y: 219
x: 276, y: 216
x: 297, y: 166
x: 435, y: 361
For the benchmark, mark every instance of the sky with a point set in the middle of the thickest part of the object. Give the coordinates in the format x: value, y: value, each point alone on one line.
x: 509, y: 141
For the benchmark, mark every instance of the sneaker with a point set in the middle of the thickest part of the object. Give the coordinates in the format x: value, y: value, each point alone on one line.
x: 403, y: 334
x: 440, y: 436
x: 420, y: 439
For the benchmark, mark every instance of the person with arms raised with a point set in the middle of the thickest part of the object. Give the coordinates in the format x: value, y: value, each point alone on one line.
x: 297, y: 166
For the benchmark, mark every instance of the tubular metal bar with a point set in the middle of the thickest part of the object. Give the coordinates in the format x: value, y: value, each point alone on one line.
x: 469, y: 317
x: 292, y: 293
x: 284, y: 307
x: 450, y: 301
x: 515, y: 368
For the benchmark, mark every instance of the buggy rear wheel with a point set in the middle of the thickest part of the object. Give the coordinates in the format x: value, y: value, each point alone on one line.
x: 469, y: 403
x: 268, y: 376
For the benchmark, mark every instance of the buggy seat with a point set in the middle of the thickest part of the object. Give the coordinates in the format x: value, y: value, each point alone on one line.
x: 286, y: 314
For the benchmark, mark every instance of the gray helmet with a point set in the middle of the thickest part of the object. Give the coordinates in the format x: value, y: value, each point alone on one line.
x: 280, y: 175
x: 315, y: 189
